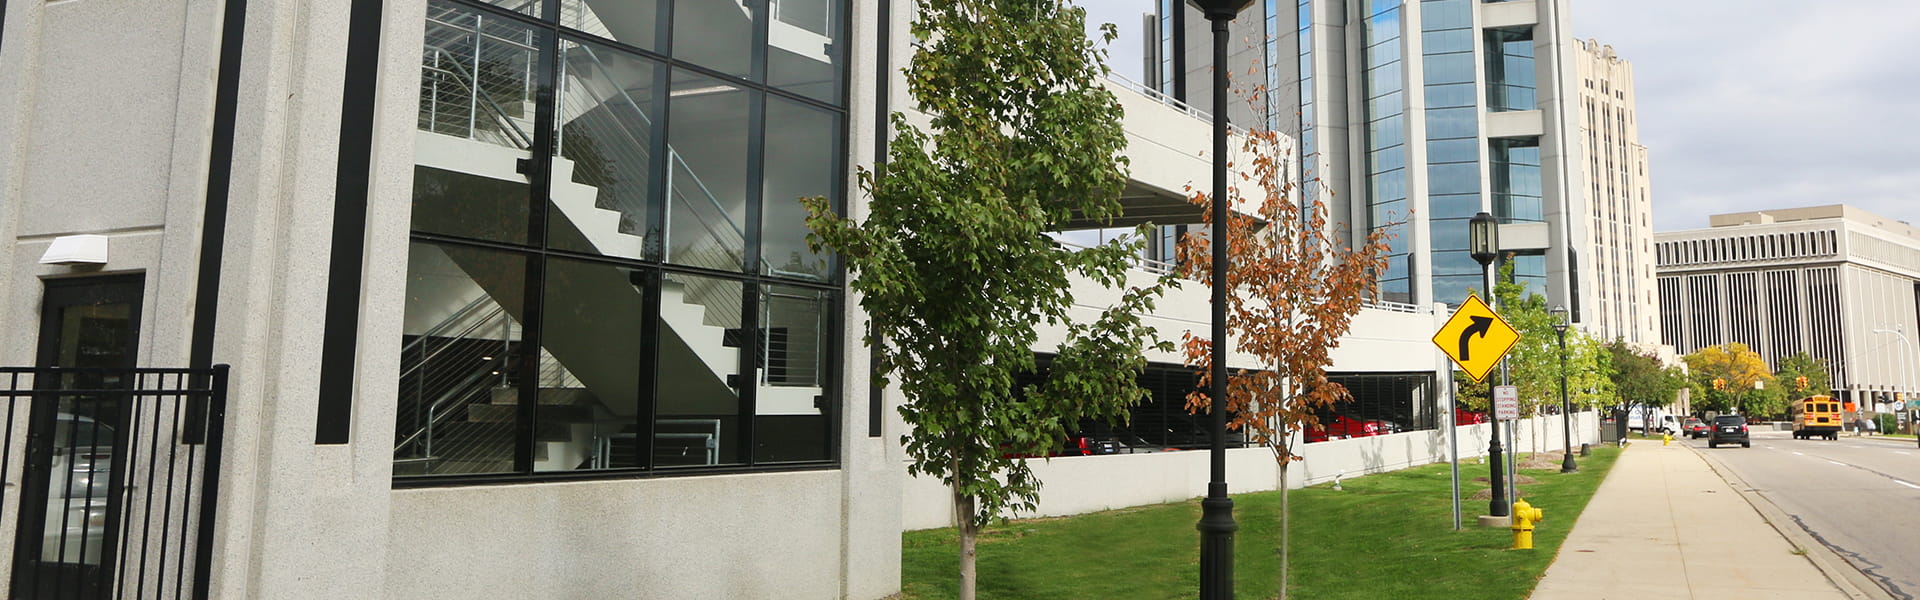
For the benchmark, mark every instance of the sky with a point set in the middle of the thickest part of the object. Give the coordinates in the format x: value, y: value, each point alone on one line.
x: 1757, y: 104
x: 1745, y: 104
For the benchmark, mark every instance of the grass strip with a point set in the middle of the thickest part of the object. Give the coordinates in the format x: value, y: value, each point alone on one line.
x: 1388, y: 535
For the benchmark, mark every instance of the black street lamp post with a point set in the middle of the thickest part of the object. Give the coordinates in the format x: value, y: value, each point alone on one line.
x: 1216, y: 511
x: 1566, y: 407
x: 1483, y: 242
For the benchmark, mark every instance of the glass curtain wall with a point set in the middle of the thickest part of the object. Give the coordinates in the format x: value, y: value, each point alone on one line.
x: 1510, y: 74
x: 1386, y: 163
x: 636, y: 296
x: 1453, y: 144
x: 1309, y: 149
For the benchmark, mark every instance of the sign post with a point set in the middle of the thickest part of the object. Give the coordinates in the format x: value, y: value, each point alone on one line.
x: 1476, y: 338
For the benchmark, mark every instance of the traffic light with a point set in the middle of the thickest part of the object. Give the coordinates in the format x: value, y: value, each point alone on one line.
x: 1719, y: 383
x: 1800, y: 382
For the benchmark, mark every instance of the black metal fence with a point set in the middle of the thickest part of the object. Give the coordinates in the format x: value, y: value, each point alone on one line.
x: 112, y: 478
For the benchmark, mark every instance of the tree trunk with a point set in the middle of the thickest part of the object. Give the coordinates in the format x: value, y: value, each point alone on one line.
x: 969, y: 532
x: 1286, y: 527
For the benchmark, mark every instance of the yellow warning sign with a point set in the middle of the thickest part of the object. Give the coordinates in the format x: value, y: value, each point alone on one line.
x: 1475, y: 338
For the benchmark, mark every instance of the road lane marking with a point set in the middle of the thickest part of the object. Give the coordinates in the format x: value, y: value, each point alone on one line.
x: 1838, y: 463
x: 1900, y: 452
x: 1799, y: 454
x: 1917, y: 487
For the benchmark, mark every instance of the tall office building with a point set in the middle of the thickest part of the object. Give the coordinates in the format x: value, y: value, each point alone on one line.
x: 1618, y: 204
x: 1413, y: 116
x: 1835, y: 282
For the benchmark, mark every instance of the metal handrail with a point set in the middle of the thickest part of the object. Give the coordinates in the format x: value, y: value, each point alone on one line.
x: 519, y: 138
x: 674, y: 160
x: 1170, y: 101
x: 434, y: 416
x: 463, y: 334
x: 445, y: 324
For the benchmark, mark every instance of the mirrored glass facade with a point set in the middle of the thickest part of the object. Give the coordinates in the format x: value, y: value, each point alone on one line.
x: 1510, y: 70
x: 1386, y: 143
x: 608, y: 270
x: 1453, y: 147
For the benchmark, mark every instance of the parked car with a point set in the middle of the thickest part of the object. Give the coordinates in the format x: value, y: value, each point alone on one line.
x: 1695, y: 428
x: 1729, y: 429
x: 1340, y: 427
x: 1463, y: 417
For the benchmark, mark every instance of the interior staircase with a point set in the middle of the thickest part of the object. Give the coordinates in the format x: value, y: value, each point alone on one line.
x: 460, y: 402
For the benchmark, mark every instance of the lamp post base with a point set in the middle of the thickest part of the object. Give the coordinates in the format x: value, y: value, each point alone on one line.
x: 1216, y: 543
x: 1567, y: 466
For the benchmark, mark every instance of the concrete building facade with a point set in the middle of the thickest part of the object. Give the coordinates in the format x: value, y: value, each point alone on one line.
x: 514, y: 305
x: 1413, y: 116
x: 1617, y: 199
x: 1835, y: 282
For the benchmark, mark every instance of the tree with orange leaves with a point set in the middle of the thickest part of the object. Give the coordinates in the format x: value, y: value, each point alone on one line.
x: 1293, y: 289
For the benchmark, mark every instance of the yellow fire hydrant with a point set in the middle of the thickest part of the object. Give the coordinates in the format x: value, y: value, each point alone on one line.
x: 1524, y: 516
x: 1666, y: 438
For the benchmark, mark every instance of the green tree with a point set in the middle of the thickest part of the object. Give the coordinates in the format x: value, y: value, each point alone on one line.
x: 1293, y: 292
x: 1639, y: 378
x: 1737, y: 369
x: 1534, y: 366
x: 1801, y: 364
x: 952, y: 264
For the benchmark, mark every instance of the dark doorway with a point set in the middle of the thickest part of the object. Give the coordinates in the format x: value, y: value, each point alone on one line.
x: 70, y: 502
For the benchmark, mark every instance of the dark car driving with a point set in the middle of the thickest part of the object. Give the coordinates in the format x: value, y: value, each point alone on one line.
x: 1729, y: 429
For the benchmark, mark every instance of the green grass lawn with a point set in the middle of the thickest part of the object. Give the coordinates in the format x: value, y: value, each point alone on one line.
x: 1385, y: 536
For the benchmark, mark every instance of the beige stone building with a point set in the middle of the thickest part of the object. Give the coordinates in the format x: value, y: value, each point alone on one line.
x: 1618, y: 204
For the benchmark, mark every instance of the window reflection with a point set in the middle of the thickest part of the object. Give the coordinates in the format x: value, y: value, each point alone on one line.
x: 802, y: 161
x: 609, y: 131
x: 790, y: 422
x: 805, y: 47
x: 589, y: 409
x: 699, y: 352
x: 715, y: 34
x: 637, y: 23
x: 707, y: 158
x: 639, y: 365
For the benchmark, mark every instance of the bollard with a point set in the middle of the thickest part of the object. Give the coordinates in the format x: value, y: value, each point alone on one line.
x: 1524, y: 516
x: 1585, y: 450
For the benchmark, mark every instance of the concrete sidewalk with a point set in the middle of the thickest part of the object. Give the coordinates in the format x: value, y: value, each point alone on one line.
x: 1665, y: 525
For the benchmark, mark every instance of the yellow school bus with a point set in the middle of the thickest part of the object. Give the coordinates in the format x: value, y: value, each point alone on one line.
x: 1816, y: 416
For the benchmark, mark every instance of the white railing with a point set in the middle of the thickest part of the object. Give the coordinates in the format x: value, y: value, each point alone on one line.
x: 1143, y: 263
x: 1399, y: 307
x: 1169, y: 101
x: 1159, y: 267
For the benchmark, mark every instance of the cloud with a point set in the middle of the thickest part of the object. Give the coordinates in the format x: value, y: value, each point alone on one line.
x: 1771, y: 104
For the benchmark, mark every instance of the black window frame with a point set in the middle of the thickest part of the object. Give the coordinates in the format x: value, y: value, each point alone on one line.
x: 537, y: 250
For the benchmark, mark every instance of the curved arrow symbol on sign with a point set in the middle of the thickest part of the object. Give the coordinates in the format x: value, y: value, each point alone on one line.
x: 1480, y: 326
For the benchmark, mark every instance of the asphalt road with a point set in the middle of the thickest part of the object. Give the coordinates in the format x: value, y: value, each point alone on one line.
x: 1859, y: 496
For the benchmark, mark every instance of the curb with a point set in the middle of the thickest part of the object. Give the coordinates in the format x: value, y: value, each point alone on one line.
x: 1839, y: 572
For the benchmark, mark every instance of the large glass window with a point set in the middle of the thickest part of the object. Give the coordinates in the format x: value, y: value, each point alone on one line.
x: 640, y: 298
x: 1517, y: 194
x: 1386, y: 138
x: 1453, y: 154
x: 1510, y: 75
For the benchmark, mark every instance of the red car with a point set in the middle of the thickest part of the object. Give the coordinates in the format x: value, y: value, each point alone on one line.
x: 1462, y: 417
x: 1341, y: 427
x: 1695, y: 428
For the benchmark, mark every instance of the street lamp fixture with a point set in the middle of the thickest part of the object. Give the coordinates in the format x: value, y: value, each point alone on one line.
x: 1216, y: 511
x: 1483, y: 242
x: 1483, y: 238
x: 1560, y: 323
